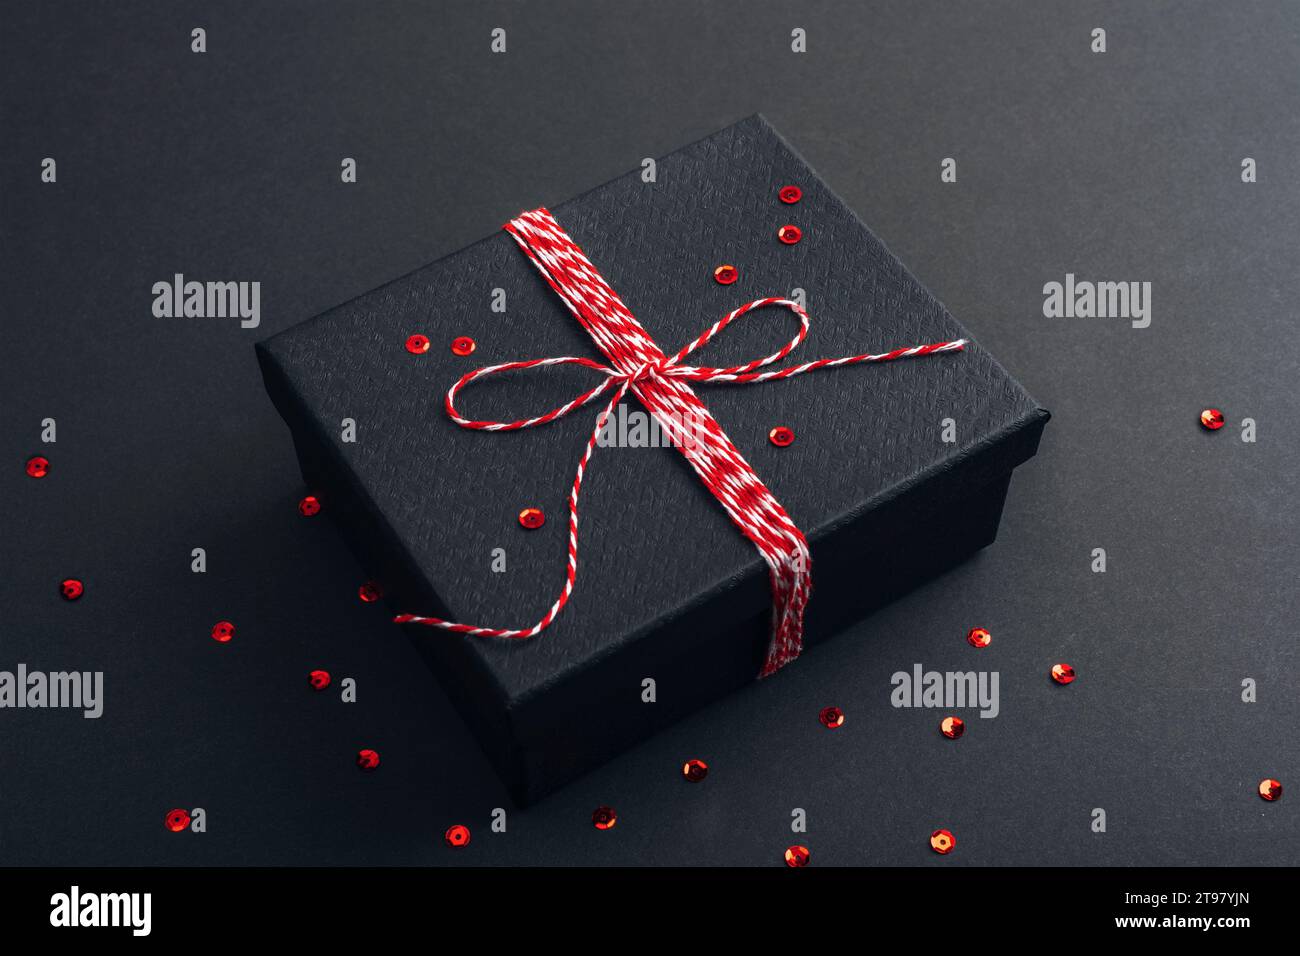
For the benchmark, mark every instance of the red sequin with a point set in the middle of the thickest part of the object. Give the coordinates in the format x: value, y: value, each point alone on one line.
x: 695, y: 770
x: 604, y: 818
x: 457, y: 836
x: 1212, y: 419
x: 1270, y: 790
x: 417, y: 344
x: 370, y: 592
x: 463, y: 345
x: 790, y: 195
x: 177, y: 820
x: 978, y: 637
x: 942, y: 841
x: 318, y: 679
x: 1062, y: 673
x: 832, y: 717
x: 532, y: 518
x: 789, y: 234
x: 38, y: 466
x: 725, y: 275
x: 797, y: 856
x: 367, y: 759
x: 309, y: 506
x: 952, y: 727
x: 780, y: 436
x: 71, y: 589
x: 223, y: 631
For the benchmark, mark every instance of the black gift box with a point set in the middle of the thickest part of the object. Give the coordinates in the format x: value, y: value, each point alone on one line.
x: 667, y: 587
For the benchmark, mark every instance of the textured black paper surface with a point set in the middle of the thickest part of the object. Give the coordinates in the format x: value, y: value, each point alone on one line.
x: 654, y: 544
x: 226, y: 166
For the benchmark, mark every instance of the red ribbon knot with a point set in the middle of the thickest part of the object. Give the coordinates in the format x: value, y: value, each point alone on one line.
x: 660, y: 383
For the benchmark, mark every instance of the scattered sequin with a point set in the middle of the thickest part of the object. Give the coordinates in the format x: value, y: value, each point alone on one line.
x: 309, y: 506
x: 695, y: 770
x: 797, y: 856
x: 370, y: 592
x: 223, y: 631
x: 367, y: 759
x: 604, y: 818
x: 1062, y: 673
x: 790, y: 195
x: 457, y: 836
x: 532, y: 518
x: 417, y: 344
x: 832, y: 717
x: 177, y: 820
x: 952, y: 727
x: 462, y: 345
x: 781, y: 436
x: 318, y: 679
x: 979, y: 637
x: 1270, y: 789
x: 71, y: 589
x: 38, y: 466
x: 725, y: 275
x: 942, y: 841
x: 789, y: 234
x: 1212, y: 419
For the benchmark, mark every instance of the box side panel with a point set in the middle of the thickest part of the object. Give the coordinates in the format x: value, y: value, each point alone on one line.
x: 467, y: 683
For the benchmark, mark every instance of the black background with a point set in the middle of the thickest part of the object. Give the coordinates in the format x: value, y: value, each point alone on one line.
x: 1115, y: 166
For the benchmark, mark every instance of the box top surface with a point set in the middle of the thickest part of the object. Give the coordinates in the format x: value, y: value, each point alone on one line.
x: 652, y: 537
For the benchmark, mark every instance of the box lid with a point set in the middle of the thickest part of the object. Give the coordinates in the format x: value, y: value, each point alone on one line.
x: 654, y: 541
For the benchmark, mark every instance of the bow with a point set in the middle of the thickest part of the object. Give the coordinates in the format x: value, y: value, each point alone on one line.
x: 660, y: 383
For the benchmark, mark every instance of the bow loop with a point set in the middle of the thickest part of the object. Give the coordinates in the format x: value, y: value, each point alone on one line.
x: 678, y: 370
x: 612, y: 380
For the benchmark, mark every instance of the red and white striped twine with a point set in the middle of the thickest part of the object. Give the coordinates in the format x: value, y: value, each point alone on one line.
x: 638, y: 366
